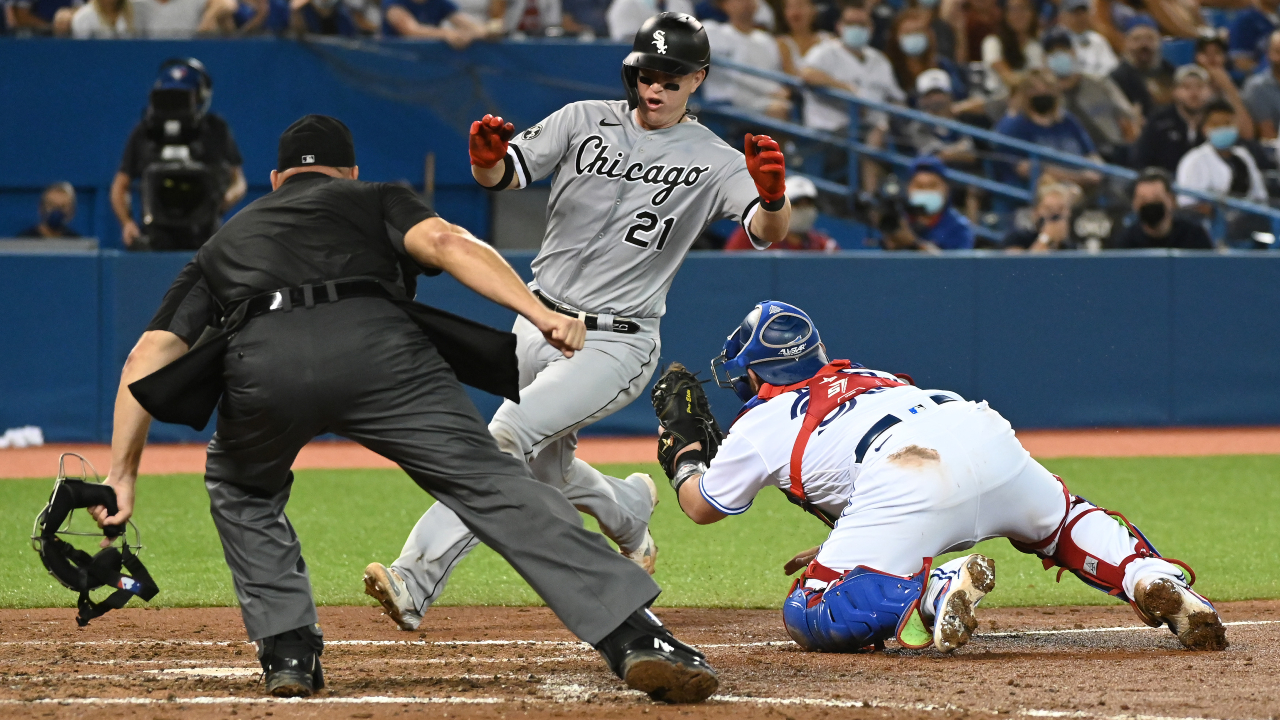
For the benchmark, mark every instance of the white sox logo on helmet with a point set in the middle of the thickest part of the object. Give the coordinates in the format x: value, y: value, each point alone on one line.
x: 660, y: 41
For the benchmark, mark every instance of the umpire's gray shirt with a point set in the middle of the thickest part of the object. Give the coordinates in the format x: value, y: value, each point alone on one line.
x: 626, y: 203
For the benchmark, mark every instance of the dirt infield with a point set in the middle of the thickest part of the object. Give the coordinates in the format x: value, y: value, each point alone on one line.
x: 1084, y: 662
x: 1110, y: 442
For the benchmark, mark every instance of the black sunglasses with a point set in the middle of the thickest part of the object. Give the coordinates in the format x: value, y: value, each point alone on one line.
x: 669, y: 87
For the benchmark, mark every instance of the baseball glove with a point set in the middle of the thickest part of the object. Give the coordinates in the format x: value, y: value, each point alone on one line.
x: 685, y: 415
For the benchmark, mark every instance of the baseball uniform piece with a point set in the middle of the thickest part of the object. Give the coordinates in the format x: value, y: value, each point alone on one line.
x: 626, y: 204
x: 342, y: 355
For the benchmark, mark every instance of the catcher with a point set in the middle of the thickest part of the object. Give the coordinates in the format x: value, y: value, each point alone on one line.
x: 901, y: 475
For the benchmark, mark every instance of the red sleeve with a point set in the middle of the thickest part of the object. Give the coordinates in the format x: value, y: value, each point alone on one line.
x: 739, y: 241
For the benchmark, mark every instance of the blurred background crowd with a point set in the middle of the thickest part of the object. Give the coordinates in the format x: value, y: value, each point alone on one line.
x: 1184, y: 92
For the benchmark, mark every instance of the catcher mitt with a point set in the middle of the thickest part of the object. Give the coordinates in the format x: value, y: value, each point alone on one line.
x: 685, y: 415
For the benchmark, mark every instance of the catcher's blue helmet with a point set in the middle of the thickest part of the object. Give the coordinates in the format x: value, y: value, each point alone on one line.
x: 776, y: 340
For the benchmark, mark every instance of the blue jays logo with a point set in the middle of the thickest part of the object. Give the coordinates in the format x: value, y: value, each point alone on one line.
x: 660, y: 41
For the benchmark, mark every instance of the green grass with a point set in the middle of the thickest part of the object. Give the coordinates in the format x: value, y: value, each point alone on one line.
x: 1216, y: 513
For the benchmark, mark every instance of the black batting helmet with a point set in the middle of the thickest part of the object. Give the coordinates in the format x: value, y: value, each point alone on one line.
x: 673, y: 43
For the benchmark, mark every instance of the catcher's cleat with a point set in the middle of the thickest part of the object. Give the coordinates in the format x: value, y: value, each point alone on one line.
x: 387, y: 587
x: 954, y: 621
x: 646, y: 556
x: 291, y: 662
x: 1189, y: 616
x: 648, y: 658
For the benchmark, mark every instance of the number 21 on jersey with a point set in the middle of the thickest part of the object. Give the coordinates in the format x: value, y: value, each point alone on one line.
x: 642, y: 233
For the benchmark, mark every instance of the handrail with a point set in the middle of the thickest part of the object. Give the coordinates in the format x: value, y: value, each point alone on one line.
x: 1035, y: 151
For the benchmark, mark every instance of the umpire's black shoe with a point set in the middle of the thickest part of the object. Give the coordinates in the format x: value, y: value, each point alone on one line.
x: 291, y: 662
x: 648, y: 658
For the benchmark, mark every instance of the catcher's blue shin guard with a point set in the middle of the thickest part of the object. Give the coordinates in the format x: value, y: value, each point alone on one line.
x: 858, y: 609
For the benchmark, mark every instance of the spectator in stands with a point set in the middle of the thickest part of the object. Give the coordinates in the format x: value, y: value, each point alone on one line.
x: 1040, y: 119
x: 978, y: 19
x: 430, y: 20
x: 1013, y: 48
x: 626, y: 16
x: 585, y: 17
x: 1211, y: 54
x: 367, y: 15
x: 103, y: 20
x: 43, y: 17
x: 740, y: 41
x: 714, y: 10
x: 181, y: 19
x: 932, y: 223
x: 1250, y: 34
x: 944, y: 31
x: 1093, y: 51
x: 1262, y: 93
x: 532, y: 17
x: 801, y: 37
x: 912, y: 52
x: 1157, y: 224
x: 933, y: 93
x: 321, y: 17
x: 850, y: 64
x: 1049, y: 226
x: 803, y: 195
x: 1144, y: 76
x: 1219, y: 166
x: 57, y: 209
x: 1113, y: 18
x: 1173, y: 130
x: 1112, y: 123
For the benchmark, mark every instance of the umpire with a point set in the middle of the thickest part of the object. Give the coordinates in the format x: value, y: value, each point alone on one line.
x: 299, y: 320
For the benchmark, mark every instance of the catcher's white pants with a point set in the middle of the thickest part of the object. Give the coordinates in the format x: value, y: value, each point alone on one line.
x: 953, y: 477
x: 558, y: 397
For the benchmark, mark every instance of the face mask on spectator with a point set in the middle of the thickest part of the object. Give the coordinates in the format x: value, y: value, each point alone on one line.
x: 1152, y: 214
x: 55, y: 219
x: 928, y: 201
x: 914, y: 44
x: 802, y: 218
x: 1043, y: 104
x: 1061, y: 64
x: 1224, y: 137
x: 856, y: 36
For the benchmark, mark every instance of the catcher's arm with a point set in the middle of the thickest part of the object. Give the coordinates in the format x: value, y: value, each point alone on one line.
x: 690, y: 496
x: 689, y: 438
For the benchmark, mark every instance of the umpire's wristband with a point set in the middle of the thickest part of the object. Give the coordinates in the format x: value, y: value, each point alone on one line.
x: 773, y: 205
x: 693, y: 462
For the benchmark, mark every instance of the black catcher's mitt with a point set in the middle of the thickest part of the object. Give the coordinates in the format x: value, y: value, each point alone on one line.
x: 686, y: 417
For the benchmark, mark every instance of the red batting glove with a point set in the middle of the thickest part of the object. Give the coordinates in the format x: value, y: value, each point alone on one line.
x: 488, y: 141
x: 767, y: 166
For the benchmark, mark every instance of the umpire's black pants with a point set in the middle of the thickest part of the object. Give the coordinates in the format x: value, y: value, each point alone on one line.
x: 362, y: 369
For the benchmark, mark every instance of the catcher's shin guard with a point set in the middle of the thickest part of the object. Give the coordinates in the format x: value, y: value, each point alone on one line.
x: 1099, y: 546
x: 833, y: 612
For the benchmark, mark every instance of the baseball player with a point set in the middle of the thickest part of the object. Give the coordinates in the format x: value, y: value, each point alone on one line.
x: 901, y: 475
x: 636, y: 182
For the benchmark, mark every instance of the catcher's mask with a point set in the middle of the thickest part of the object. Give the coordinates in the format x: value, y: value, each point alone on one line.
x: 74, y: 567
x: 776, y: 340
x: 673, y: 43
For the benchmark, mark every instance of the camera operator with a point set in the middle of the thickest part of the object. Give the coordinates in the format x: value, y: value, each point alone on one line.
x: 186, y: 160
x: 930, y: 223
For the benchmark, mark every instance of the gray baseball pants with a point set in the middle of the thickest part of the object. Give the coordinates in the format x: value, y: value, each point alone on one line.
x: 362, y: 369
x: 558, y: 397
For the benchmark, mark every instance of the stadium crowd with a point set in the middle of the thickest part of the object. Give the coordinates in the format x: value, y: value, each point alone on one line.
x: 1084, y: 77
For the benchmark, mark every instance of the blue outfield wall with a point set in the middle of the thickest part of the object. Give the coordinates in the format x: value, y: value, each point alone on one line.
x: 1066, y: 340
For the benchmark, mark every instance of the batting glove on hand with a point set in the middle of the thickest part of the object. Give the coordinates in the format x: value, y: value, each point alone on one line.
x: 767, y: 167
x: 488, y: 141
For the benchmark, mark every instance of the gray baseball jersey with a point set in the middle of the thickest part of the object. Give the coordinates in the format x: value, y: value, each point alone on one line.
x: 626, y: 203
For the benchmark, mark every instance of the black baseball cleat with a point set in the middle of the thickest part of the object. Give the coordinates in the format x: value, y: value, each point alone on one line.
x: 648, y: 658
x: 291, y: 662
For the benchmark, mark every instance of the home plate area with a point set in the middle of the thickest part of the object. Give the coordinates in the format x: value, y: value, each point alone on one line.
x: 495, y: 662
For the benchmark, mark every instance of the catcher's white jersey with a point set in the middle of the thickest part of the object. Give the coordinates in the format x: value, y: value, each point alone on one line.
x: 626, y: 203
x: 756, y: 453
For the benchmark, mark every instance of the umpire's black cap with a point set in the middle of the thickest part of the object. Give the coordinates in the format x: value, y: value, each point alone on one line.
x: 316, y: 140
x: 673, y: 43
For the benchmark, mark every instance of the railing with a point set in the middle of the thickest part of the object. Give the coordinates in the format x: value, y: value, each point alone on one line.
x: 1036, y: 154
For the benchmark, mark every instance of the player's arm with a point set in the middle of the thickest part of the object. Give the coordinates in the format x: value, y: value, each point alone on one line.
x: 498, y: 164
x: 488, y: 143
x: 437, y: 243
x: 772, y: 215
x: 689, y: 492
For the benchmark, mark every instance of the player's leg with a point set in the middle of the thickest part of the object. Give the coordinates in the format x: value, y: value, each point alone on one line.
x: 436, y: 545
x: 1039, y: 515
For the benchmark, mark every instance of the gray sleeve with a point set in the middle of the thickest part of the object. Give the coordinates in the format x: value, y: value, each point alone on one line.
x: 738, y: 200
x: 537, y: 152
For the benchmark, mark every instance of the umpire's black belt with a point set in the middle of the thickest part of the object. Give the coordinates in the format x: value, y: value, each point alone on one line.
x: 311, y: 295
x: 623, y: 325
